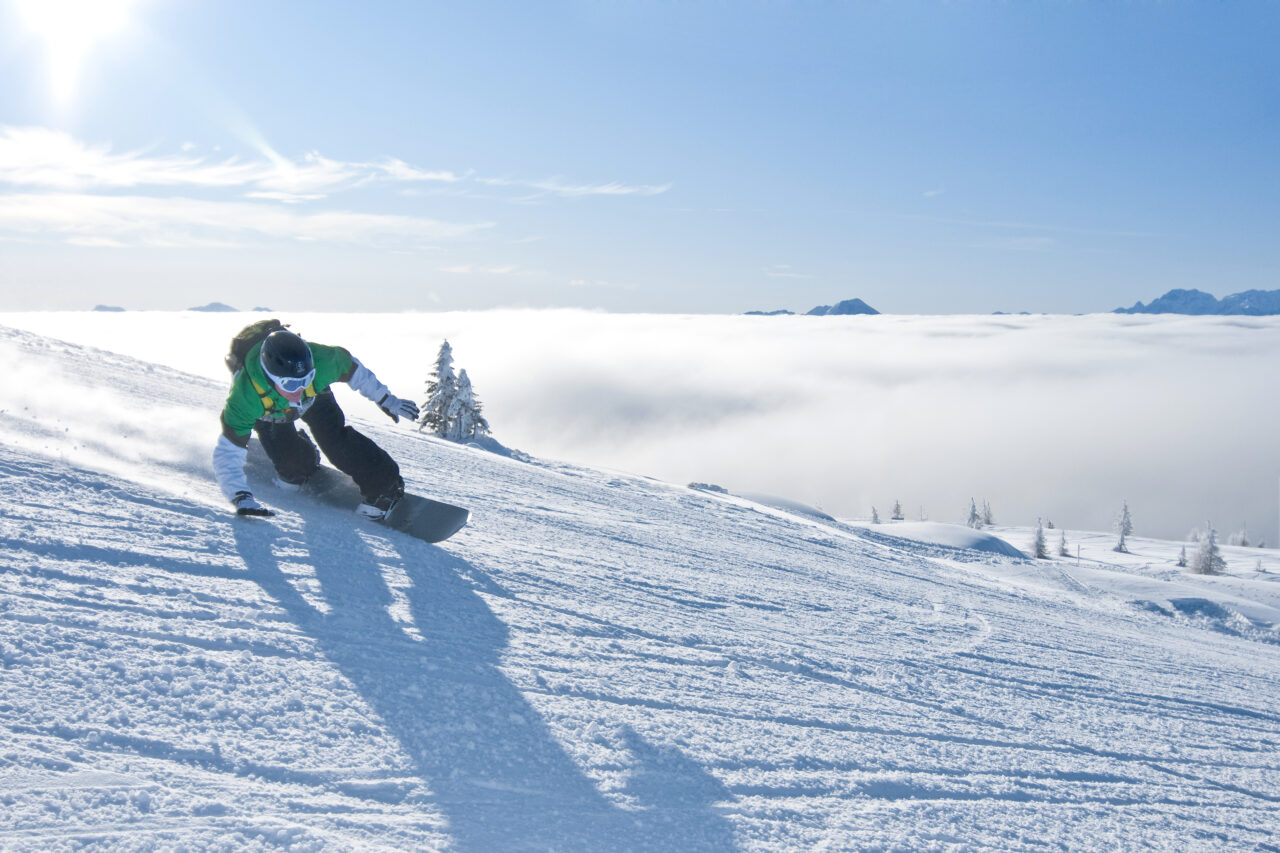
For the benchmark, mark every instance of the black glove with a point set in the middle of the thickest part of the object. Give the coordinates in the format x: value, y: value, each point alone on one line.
x: 397, y: 408
x: 246, y: 505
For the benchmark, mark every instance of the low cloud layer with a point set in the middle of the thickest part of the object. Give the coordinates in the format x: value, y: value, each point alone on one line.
x: 1055, y: 417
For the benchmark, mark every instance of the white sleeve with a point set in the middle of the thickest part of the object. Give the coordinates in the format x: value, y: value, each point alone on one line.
x: 228, y: 467
x: 363, y: 381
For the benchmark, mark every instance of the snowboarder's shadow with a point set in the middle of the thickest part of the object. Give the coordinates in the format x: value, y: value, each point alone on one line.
x: 486, y: 758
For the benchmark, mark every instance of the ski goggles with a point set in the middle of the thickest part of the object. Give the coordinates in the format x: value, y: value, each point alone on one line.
x: 293, y: 384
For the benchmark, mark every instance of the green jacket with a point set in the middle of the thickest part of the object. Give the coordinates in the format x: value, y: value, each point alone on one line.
x: 253, y: 397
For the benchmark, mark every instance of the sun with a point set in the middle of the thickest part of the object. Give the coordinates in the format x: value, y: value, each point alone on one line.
x: 69, y: 30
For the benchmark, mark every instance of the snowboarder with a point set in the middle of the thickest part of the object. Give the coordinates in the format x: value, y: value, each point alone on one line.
x: 284, y: 379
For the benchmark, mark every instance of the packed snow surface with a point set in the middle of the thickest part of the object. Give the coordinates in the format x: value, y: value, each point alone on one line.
x: 598, y: 662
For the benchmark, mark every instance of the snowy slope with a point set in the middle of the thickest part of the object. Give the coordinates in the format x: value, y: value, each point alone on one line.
x: 599, y: 662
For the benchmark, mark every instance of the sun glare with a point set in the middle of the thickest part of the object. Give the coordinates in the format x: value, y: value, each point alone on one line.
x: 69, y: 30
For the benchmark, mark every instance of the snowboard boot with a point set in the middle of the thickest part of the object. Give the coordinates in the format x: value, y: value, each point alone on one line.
x: 287, y: 486
x: 377, y: 507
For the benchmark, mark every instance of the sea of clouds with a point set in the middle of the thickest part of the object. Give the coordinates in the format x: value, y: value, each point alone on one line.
x: 1043, y: 416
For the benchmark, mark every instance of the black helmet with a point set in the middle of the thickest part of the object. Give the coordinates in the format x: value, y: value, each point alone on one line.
x: 287, y: 356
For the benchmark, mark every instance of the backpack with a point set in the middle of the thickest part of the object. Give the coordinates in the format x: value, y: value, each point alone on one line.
x: 246, y: 339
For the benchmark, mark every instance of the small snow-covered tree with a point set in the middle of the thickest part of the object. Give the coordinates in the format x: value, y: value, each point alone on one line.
x: 1240, y: 538
x: 1123, y: 527
x: 897, y: 512
x: 465, y: 413
x: 875, y: 516
x: 1182, y: 558
x: 1037, y: 544
x: 1062, y: 546
x: 442, y: 387
x: 975, y: 520
x: 1124, y: 523
x: 1048, y: 524
x: 1208, y: 559
x: 988, y: 518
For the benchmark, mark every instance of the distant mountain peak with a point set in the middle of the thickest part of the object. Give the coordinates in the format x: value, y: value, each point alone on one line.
x: 1196, y: 302
x: 847, y: 307
x: 213, y: 306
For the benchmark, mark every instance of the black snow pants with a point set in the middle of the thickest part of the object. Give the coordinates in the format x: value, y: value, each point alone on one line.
x: 353, y: 453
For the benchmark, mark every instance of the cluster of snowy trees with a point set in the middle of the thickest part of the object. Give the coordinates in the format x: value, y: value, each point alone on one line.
x: 980, y: 519
x: 897, y: 513
x: 1207, y: 560
x: 452, y: 409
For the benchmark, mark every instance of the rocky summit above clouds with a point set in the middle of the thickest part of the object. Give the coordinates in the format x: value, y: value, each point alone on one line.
x: 1249, y: 302
x: 848, y: 306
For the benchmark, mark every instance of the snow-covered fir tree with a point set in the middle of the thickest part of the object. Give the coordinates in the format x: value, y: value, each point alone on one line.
x: 897, y: 512
x: 1124, y: 527
x: 1062, y: 546
x: 1208, y: 559
x: 988, y: 518
x: 975, y: 520
x: 441, y: 390
x: 1048, y: 524
x: 466, y: 420
x: 1240, y: 538
x: 1124, y: 523
x: 1122, y: 547
x: 875, y: 516
x: 1182, y: 558
x: 452, y: 410
x: 1037, y: 544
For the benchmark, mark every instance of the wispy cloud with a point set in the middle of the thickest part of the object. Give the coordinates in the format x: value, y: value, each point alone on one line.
x: 473, y: 269
x: 600, y: 284
x: 1018, y: 244
x: 49, y: 159
x: 101, y: 220
x: 1015, y: 225
x: 401, y: 171
x: 784, y: 271
x: 91, y: 195
x: 558, y: 187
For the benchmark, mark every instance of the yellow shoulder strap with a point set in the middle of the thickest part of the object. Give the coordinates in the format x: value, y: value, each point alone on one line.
x: 267, y: 402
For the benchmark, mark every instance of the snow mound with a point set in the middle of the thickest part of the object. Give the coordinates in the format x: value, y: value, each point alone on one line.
x: 950, y: 536
x: 786, y: 505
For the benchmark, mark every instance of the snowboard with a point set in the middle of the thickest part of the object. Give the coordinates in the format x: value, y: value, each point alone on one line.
x: 423, y: 518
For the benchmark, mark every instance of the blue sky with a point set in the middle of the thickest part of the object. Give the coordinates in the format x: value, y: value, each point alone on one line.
x: 636, y: 156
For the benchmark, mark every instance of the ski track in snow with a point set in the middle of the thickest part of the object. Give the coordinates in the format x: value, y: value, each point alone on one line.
x: 598, y: 662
